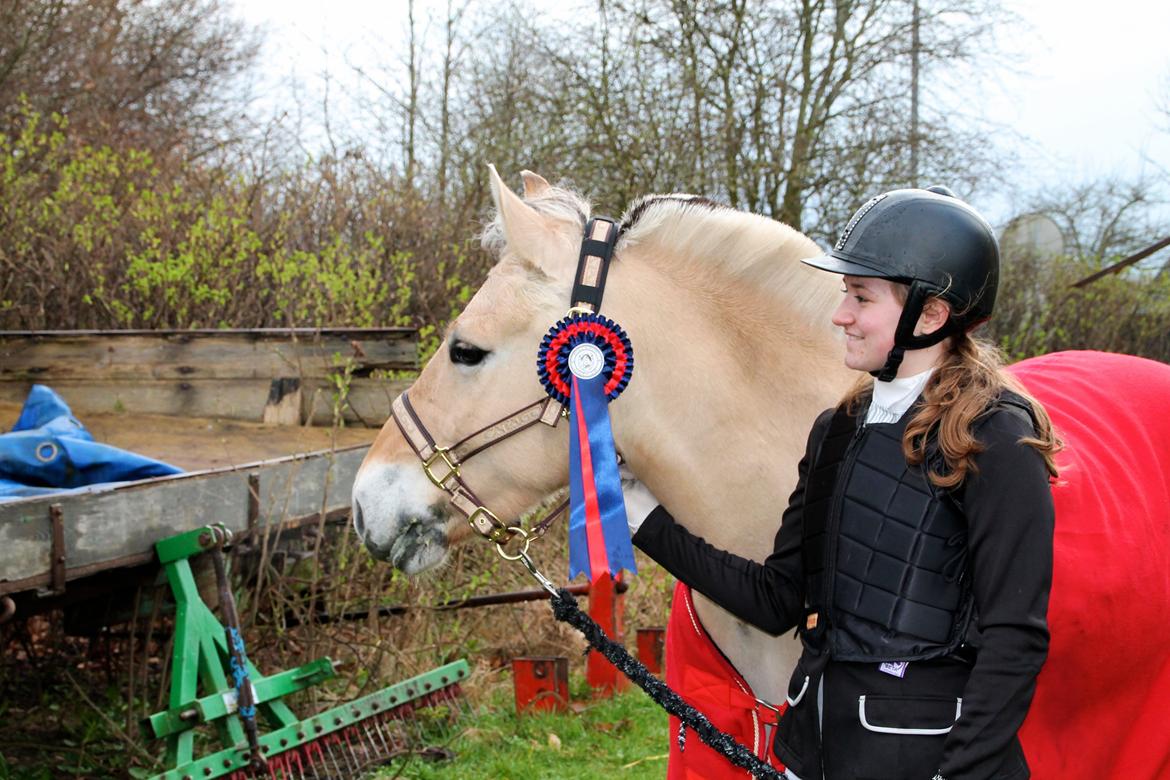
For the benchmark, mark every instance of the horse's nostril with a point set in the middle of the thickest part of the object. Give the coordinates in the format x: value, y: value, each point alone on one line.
x: 357, y: 519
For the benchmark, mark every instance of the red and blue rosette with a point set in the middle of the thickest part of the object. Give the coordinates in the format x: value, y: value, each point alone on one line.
x: 585, y: 361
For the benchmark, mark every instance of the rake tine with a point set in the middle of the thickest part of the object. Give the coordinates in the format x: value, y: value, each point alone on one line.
x: 294, y: 759
x: 329, y: 745
x: 353, y: 751
x: 345, y: 755
x: 316, y: 756
x: 328, y: 749
x: 362, y: 744
x: 448, y: 699
x: 371, y: 732
x: 389, y: 728
x: 384, y: 725
x: 366, y: 750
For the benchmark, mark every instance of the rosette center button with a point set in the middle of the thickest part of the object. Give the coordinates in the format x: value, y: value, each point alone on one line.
x: 586, y: 361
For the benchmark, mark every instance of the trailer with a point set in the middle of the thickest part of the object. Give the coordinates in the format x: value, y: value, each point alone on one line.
x: 270, y: 425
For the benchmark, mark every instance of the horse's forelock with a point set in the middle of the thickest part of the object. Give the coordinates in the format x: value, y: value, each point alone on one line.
x: 560, y: 202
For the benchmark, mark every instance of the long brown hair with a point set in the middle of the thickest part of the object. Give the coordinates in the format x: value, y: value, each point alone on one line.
x: 962, y: 389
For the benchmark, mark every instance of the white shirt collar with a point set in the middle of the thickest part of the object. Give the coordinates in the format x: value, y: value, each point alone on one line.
x: 892, y: 399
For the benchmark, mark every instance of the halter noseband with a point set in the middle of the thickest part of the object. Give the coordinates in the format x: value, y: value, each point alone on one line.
x: 442, y: 464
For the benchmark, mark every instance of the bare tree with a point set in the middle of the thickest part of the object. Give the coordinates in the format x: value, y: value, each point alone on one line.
x: 796, y: 109
x: 154, y: 74
x: 452, y: 53
x: 1104, y: 219
x: 1039, y: 309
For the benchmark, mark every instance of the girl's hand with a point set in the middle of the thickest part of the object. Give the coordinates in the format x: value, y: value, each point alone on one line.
x: 640, y: 502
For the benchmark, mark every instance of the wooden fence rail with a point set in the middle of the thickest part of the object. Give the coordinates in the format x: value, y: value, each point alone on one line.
x: 280, y: 375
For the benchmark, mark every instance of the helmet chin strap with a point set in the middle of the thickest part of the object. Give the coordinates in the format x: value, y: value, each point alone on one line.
x: 904, y: 338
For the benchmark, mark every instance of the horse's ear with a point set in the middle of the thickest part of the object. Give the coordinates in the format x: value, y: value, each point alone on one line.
x: 526, y: 231
x: 535, y: 185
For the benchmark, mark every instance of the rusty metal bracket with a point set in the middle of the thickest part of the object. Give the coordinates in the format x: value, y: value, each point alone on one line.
x: 253, y: 540
x: 56, y: 552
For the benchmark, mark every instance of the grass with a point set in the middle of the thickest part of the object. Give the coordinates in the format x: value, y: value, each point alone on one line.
x: 69, y: 711
x: 624, y: 736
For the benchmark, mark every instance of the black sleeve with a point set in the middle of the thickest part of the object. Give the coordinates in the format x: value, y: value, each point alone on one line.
x: 767, y: 595
x: 1008, y: 504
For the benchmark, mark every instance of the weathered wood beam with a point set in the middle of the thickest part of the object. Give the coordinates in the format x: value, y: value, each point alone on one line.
x: 204, y: 354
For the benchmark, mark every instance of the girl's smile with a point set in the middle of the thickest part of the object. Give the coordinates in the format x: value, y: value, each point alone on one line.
x: 868, y: 315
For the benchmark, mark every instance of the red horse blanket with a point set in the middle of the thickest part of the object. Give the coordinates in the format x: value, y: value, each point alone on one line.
x: 704, y: 677
x: 1102, y: 702
x: 1102, y: 705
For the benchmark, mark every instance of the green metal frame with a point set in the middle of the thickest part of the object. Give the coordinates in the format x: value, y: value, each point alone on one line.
x: 201, y: 655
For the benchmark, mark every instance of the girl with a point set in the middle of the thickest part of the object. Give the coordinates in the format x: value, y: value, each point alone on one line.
x: 915, y: 555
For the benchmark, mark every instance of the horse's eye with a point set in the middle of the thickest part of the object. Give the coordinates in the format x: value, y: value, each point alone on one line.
x: 466, y: 355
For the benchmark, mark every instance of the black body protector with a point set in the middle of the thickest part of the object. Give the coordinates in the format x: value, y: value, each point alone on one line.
x: 933, y: 242
x: 884, y: 551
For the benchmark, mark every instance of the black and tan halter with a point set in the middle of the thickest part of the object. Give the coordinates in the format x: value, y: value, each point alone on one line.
x: 442, y: 464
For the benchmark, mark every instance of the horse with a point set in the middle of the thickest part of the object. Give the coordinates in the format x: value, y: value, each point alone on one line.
x: 735, y: 356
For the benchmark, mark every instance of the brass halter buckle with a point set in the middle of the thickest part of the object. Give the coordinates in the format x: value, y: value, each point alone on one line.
x: 498, y: 532
x: 452, y: 467
x: 510, y: 532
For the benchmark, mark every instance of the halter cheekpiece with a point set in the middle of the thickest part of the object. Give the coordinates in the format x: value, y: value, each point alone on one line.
x: 596, y: 341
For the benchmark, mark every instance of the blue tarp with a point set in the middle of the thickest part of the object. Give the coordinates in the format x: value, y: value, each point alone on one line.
x: 49, y: 450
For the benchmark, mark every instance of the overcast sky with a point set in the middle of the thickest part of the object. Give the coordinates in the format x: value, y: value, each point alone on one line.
x: 1089, y: 89
x: 1085, y: 93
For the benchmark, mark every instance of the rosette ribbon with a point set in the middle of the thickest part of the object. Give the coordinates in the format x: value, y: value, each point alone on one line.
x: 585, y: 362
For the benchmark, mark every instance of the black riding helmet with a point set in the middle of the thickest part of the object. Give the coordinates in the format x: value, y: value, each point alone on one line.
x: 933, y: 242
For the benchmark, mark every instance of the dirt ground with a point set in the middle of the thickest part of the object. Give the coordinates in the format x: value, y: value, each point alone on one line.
x: 196, y: 443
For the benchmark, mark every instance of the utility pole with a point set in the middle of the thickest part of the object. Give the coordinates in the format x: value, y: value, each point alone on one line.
x: 914, y: 52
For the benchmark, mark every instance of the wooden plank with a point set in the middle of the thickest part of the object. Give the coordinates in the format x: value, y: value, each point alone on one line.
x: 26, y: 539
x: 284, y: 402
x: 298, y: 487
x: 27, y: 356
x: 367, y: 401
x: 108, y: 525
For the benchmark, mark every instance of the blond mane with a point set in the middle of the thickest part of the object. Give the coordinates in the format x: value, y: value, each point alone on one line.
x: 706, y: 241
x: 709, y: 240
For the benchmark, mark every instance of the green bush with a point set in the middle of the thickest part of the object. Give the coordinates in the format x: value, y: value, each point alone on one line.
x: 92, y: 237
x: 1039, y: 310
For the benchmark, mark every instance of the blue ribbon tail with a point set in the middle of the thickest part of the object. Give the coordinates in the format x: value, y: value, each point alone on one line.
x: 607, y: 477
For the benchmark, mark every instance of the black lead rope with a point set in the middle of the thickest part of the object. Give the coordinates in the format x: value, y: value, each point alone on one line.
x: 566, y: 610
